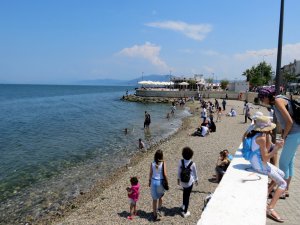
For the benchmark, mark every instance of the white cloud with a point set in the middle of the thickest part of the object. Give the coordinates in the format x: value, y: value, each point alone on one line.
x: 194, y: 31
x: 148, y: 51
x: 289, y: 53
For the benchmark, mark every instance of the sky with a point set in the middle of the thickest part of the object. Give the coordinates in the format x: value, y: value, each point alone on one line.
x: 65, y: 41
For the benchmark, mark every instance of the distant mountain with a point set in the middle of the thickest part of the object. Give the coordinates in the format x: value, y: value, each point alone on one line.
x: 107, y: 82
x: 134, y: 82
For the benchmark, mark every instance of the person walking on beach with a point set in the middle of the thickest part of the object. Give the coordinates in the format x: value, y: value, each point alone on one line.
x: 173, y: 108
x: 187, y: 176
x: 133, y: 195
x: 224, y: 104
x: 147, y: 120
x: 291, y: 130
x: 204, y: 113
x: 219, y: 114
x: 157, y: 174
x: 247, y: 112
x: 260, y: 143
x: 216, y: 104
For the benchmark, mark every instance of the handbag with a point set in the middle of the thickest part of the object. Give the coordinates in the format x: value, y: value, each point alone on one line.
x: 165, y: 181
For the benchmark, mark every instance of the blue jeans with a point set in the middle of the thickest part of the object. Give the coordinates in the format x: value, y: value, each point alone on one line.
x: 286, y: 161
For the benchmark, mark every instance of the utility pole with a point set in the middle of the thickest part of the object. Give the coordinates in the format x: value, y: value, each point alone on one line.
x: 278, y: 65
x: 279, y: 50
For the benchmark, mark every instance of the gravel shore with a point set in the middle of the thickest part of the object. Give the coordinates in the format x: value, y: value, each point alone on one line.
x: 108, y: 204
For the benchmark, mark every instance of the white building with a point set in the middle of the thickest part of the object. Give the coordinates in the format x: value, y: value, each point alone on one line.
x: 293, y: 68
x: 238, y: 86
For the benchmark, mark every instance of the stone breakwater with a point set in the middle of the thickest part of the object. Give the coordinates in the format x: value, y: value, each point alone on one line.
x: 134, y: 98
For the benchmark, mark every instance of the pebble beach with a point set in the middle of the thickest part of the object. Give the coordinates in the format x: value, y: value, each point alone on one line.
x: 107, y: 202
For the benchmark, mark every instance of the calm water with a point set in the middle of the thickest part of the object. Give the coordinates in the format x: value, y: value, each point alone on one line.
x: 56, y: 141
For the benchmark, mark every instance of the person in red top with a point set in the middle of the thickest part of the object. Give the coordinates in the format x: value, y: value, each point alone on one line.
x: 133, y: 195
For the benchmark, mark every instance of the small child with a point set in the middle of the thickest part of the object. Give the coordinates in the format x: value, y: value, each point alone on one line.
x: 133, y: 195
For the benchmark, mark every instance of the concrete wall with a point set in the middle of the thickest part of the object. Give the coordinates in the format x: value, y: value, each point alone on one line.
x: 249, y: 96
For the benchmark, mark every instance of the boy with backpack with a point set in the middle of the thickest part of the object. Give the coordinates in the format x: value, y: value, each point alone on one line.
x: 187, y: 176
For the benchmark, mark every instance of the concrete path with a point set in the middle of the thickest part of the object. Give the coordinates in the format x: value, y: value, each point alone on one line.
x: 289, y: 209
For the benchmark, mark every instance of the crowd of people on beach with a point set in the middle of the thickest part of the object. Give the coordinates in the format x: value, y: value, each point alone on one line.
x: 263, y: 157
x: 186, y: 173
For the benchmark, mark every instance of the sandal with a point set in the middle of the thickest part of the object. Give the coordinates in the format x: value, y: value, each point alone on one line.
x: 287, y: 194
x: 271, y: 213
x: 283, y: 196
x: 130, y: 217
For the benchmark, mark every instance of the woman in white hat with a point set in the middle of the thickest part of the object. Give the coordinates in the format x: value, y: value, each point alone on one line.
x: 259, y: 161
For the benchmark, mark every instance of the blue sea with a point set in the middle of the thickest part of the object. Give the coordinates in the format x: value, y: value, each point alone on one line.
x: 58, y: 140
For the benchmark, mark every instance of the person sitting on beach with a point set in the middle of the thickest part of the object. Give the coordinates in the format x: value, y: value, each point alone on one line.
x: 157, y: 174
x: 133, y: 195
x: 141, y: 144
x: 212, y: 126
x: 222, y: 165
x: 186, y: 177
x: 197, y: 132
x: 232, y: 113
x: 204, y: 130
x: 228, y: 155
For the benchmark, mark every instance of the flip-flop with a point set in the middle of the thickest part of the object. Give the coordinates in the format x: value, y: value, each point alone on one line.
x: 272, y: 216
x: 283, y: 196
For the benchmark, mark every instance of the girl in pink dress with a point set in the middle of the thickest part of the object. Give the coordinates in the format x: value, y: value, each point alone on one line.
x: 133, y: 195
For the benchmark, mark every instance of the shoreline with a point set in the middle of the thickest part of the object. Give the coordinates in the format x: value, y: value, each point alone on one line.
x: 106, y: 202
x: 99, y: 186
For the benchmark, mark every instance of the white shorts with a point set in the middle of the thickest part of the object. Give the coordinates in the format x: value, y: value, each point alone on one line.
x: 131, y: 201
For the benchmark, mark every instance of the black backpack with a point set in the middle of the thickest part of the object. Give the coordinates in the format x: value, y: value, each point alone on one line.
x: 296, y: 110
x: 295, y: 105
x: 185, y: 174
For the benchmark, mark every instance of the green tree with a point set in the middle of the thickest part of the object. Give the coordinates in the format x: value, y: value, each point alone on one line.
x: 287, y: 78
x: 224, y: 84
x: 192, y: 84
x: 209, y: 80
x: 259, y: 75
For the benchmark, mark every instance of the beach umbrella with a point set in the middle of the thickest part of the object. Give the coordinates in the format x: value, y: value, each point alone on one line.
x: 184, y: 83
x: 146, y: 82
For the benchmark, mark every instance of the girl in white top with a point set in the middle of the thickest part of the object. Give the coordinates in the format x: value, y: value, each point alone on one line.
x: 260, y: 157
x: 156, y: 176
x: 187, y: 154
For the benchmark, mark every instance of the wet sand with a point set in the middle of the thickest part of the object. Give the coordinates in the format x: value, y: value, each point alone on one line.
x: 107, y: 202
